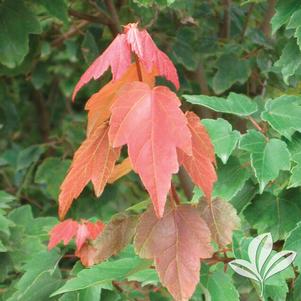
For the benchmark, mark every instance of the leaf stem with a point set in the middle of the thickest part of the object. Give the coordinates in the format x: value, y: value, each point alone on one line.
x: 173, y: 195
x: 138, y: 67
x: 257, y: 126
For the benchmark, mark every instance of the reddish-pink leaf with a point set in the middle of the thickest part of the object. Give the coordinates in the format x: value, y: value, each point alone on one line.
x: 64, y: 231
x: 81, y: 235
x: 100, y: 103
x: 95, y: 229
x: 69, y: 229
x: 93, y: 161
x: 118, y: 57
x: 87, y: 230
x: 144, y: 47
x: 177, y: 242
x: 151, y: 123
x: 200, y: 165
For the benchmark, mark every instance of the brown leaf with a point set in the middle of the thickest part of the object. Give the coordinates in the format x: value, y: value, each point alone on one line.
x: 117, y: 234
x: 177, y: 242
x: 120, y: 170
x: 222, y: 219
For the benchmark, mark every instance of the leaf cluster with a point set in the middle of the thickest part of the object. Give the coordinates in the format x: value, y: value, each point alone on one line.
x: 239, y: 70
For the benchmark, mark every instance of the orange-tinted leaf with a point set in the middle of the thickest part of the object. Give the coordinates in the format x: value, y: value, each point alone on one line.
x: 200, y: 166
x: 118, y: 57
x: 100, y: 103
x: 151, y: 123
x: 93, y: 161
x: 177, y: 242
x: 120, y: 170
x: 117, y: 234
x: 63, y: 231
x: 86, y: 254
x: 222, y: 220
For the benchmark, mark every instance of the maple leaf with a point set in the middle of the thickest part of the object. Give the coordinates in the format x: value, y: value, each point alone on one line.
x: 222, y: 220
x: 93, y: 161
x: 64, y: 231
x: 176, y: 242
x: 120, y: 170
x: 99, y: 104
x: 151, y: 123
x: 116, y: 235
x: 200, y: 165
x: 86, y: 254
x: 118, y: 57
x: 146, y: 50
x: 69, y: 229
x: 86, y: 231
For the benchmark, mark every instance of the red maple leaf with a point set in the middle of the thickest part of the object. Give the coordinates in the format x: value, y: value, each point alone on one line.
x: 118, y: 57
x: 199, y: 165
x: 100, y: 103
x: 69, y: 229
x: 64, y: 231
x: 151, y: 123
x: 87, y: 230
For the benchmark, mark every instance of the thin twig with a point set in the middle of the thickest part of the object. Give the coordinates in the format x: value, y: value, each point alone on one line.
x: 226, y: 24
x: 42, y: 114
x: 115, y: 25
x: 154, y: 19
x: 216, y: 259
x: 202, y: 80
x: 7, y: 181
x: 247, y: 19
x: 117, y: 286
x: 266, y: 23
x: 258, y: 127
x: 252, y: 53
x: 73, y: 32
x: 31, y: 201
x: 100, y: 17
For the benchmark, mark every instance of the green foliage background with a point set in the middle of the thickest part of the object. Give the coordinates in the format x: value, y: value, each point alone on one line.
x: 239, y: 64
